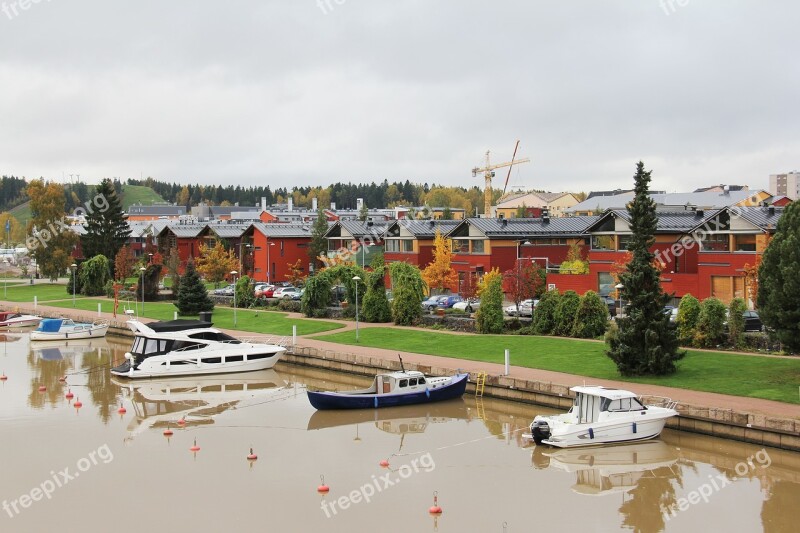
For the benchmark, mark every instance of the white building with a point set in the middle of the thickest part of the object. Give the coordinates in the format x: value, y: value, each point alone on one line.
x: 785, y: 185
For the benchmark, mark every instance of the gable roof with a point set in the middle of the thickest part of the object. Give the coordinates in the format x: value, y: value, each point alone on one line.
x: 765, y: 218
x: 667, y: 221
x: 521, y: 228
x: 424, y: 229
x: 273, y: 229
x: 228, y: 231
x: 357, y: 229
x: 185, y: 231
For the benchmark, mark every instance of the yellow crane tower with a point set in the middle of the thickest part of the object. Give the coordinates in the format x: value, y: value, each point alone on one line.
x: 488, y: 174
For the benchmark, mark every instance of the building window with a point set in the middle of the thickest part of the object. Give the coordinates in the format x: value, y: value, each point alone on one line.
x: 745, y: 243
x: 477, y: 247
x: 602, y: 242
x: 625, y: 242
x: 716, y: 242
x: 460, y: 246
x: 408, y: 245
x: 605, y: 283
x: 392, y: 245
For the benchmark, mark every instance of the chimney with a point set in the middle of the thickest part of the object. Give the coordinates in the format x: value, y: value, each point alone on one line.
x: 314, y: 204
x: 771, y: 210
x: 333, y: 206
x: 291, y: 203
x: 503, y: 222
x: 700, y: 213
x: 263, y: 203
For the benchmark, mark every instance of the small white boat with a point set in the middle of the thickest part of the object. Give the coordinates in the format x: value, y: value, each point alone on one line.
x: 602, y: 415
x: 61, y: 329
x: 17, y: 320
x: 193, y: 347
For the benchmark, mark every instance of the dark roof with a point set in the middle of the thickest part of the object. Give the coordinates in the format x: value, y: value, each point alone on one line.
x: 765, y: 218
x: 359, y: 229
x: 594, y: 194
x: 166, y: 326
x: 714, y: 187
x: 229, y: 231
x: 671, y: 221
x: 272, y: 229
x: 423, y: 229
x: 185, y: 230
x: 520, y: 228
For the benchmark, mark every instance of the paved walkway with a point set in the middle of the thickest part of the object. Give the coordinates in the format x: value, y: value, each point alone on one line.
x: 698, y: 398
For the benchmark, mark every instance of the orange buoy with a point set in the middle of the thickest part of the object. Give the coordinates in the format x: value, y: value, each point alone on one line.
x: 62, y: 379
x: 195, y: 447
x: 323, y: 487
x: 181, y: 422
x: 168, y: 432
x: 42, y: 388
x: 122, y: 409
x: 435, y: 509
x: 78, y: 404
x: 3, y: 377
x: 252, y: 456
x: 69, y: 395
x: 384, y: 463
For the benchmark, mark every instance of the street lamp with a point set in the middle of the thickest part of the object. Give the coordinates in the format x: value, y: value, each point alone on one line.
x: 150, y: 259
x: 233, y: 274
x: 74, y: 268
x: 619, y: 287
x: 142, y: 269
x: 269, y: 264
x: 356, y: 279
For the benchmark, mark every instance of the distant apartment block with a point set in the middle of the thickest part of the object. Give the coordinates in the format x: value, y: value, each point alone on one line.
x: 785, y: 185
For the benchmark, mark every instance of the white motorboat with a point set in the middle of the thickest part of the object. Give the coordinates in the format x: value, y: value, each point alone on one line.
x: 17, y: 320
x: 62, y: 329
x: 192, y: 347
x: 603, y: 415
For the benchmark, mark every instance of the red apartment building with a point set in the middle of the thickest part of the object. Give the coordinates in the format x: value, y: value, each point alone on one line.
x: 275, y: 246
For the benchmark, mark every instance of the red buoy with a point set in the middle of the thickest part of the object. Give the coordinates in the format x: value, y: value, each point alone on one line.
x: 78, y: 404
x: 181, y: 422
x: 42, y: 388
x: 168, y: 432
x: 323, y: 488
x: 3, y: 377
x: 122, y: 409
x: 435, y: 509
x: 384, y: 463
x: 62, y: 379
x: 195, y: 447
x: 69, y: 395
x: 252, y: 456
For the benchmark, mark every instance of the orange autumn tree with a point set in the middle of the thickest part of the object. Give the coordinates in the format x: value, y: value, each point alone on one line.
x: 438, y: 274
x: 216, y: 263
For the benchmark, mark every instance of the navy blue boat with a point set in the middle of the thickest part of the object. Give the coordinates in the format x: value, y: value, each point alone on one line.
x: 392, y: 389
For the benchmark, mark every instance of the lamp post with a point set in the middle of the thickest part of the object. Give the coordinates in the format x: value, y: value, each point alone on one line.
x: 149, y: 259
x: 619, y: 287
x: 269, y: 264
x: 356, y: 279
x: 233, y: 274
x: 142, y: 269
x: 74, y: 268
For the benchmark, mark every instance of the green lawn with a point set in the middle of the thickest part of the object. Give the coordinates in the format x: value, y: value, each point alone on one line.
x: 45, y: 291
x: 22, y: 213
x: 740, y: 375
x: 133, y: 194
x: 271, y: 322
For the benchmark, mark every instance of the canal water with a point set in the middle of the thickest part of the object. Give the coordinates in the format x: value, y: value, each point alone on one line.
x: 94, y: 469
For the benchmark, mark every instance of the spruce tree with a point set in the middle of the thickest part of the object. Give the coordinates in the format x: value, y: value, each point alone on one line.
x: 647, y: 344
x: 319, y: 244
x: 779, y: 282
x: 193, y: 296
x: 591, y: 319
x: 107, y: 229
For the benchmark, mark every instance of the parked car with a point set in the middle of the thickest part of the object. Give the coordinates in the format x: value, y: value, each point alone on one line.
x: 433, y: 302
x: 258, y: 290
x: 752, y: 322
x: 285, y: 292
x: 225, y: 291
x: 673, y: 315
x: 525, y: 308
x: 449, y: 301
x: 467, y: 305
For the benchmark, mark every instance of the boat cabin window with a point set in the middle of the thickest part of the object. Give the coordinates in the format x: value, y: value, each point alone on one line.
x: 234, y: 358
x: 185, y: 345
x: 621, y: 405
x: 421, y: 381
x: 215, y: 336
x: 403, y: 383
x: 412, y: 382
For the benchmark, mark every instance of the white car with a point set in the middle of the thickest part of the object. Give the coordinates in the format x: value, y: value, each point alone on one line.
x: 525, y: 308
x: 287, y: 293
x: 467, y: 305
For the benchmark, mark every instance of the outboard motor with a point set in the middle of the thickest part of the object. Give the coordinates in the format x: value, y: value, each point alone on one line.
x: 540, y: 431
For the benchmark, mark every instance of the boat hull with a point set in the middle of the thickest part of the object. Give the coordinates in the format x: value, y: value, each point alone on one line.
x: 633, y: 430
x: 150, y: 370
x: 92, y: 333
x: 336, y: 400
x: 22, y: 323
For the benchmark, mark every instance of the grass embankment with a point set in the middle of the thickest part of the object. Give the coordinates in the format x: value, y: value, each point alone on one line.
x: 261, y: 321
x: 44, y: 291
x: 725, y: 373
x: 138, y: 194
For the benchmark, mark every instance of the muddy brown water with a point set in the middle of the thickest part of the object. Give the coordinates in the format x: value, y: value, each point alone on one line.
x: 91, y: 469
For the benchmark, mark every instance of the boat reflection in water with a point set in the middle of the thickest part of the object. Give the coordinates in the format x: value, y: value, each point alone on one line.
x: 396, y: 420
x: 160, y: 403
x: 65, y: 349
x: 608, y: 469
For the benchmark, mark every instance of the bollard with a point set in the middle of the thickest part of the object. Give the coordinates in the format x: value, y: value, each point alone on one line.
x: 35, y: 303
x: 175, y: 315
x: 99, y: 310
x: 508, y: 357
x: 294, y: 336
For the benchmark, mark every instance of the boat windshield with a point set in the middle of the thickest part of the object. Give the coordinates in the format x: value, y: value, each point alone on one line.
x: 621, y: 405
x: 215, y: 336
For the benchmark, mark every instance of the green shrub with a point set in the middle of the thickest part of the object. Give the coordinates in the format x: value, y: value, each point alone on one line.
x: 489, y: 317
x: 376, y: 304
x: 688, y: 314
x: 93, y: 275
x: 544, y: 316
x: 244, y: 292
x: 293, y: 306
x: 316, y: 296
x: 591, y: 320
x: 565, y: 313
x: 710, y: 324
x: 736, y: 311
x: 408, y: 288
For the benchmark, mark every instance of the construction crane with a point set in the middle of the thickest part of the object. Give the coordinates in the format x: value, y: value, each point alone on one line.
x: 488, y: 174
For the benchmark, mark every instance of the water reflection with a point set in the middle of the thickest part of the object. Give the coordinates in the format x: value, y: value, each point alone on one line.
x: 194, y: 400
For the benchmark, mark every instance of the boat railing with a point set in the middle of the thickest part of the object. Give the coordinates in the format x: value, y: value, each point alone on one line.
x: 274, y: 340
x: 659, y: 401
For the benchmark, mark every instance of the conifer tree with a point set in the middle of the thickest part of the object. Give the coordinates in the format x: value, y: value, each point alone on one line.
x: 647, y: 343
x: 318, y: 245
x: 779, y: 282
x: 107, y: 229
x: 193, y: 296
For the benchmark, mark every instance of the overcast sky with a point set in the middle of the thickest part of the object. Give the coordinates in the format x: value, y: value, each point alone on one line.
x: 308, y: 92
